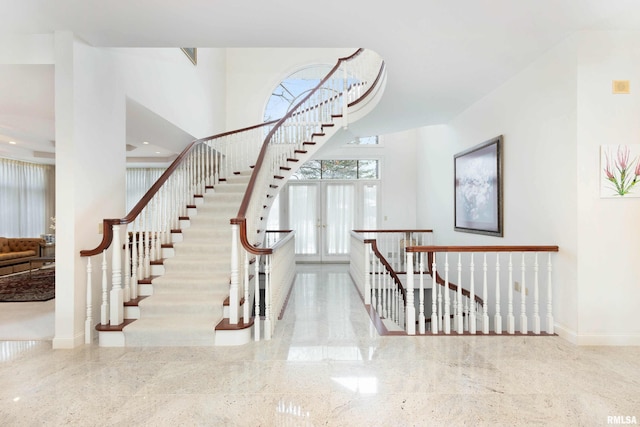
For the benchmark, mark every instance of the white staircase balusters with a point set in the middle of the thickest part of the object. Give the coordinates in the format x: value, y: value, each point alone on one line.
x: 485, y: 303
x: 127, y: 268
x: 256, y: 307
x: 536, y: 314
x: 246, y: 304
x: 88, y: 323
x: 511, y: 323
x: 473, y: 325
x: 134, y: 262
x: 459, y: 322
x: 104, y: 307
x: 447, y: 313
x: 435, y: 323
x: 421, y: 317
x: 523, y: 298
x: 497, y: 319
x: 550, y: 326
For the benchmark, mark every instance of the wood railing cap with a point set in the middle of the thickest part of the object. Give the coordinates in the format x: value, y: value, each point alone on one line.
x: 468, y: 248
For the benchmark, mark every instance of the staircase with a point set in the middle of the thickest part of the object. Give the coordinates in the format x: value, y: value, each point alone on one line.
x: 197, y: 290
x: 186, y: 302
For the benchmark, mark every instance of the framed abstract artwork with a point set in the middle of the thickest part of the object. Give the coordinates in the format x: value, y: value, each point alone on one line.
x: 478, y: 189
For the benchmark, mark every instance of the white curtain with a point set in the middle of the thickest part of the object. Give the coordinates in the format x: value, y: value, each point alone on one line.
x: 139, y: 180
x: 340, y: 208
x: 303, y: 217
x: 27, y: 198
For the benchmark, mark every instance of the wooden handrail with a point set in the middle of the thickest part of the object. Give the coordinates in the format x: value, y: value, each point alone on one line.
x: 394, y: 231
x: 452, y: 286
x: 240, y: 220
x: 107, y: 233
x: 482, y: 249
x: 383, y: 260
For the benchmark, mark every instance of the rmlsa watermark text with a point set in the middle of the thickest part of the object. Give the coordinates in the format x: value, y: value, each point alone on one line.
x: 622, y: 419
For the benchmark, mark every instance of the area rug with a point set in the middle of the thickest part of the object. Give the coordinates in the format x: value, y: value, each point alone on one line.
x: 41, y: 286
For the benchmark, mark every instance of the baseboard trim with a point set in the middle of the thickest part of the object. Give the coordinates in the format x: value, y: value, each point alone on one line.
x: 68, y: 343
x: 609, y: 340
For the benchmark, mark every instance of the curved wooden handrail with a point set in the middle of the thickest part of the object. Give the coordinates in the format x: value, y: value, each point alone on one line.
x: 387, y: 266
x: 482, y: 249
x: 240, y: 220
x: 107, y: 233
x: 452, y: 286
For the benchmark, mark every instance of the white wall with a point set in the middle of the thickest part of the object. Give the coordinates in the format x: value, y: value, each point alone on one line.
x: 536, y: 113
x: 252, y: 75
x: 554, y: 116
x: 90, y: 171
x: 167, y: 83
x: 608, y: 229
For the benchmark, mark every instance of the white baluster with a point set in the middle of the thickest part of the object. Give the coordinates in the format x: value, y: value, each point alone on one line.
x: 472, y: 296
x: 485, y: 300
x: 459, y: 323
x: 127, y: 270
x: 523, y: 301
x: 88, y: 329
x: 497, y: 320
x: 268, y: 324
x: 411, y: 310
x: 447, y: 314
x: 536, y: 314
x: 511, y: 322
x: 256, y: 319
x: 550, y: 326
x: 134, y: 265
x: 434, y: 297
x: 147, y: 259
x: 104, y: 307
x: 421, y: 319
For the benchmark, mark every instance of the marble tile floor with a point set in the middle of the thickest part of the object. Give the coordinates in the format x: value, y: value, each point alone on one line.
x: 326, y: 366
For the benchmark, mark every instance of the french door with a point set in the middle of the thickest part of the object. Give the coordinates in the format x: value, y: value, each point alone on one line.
x: 323, y: 213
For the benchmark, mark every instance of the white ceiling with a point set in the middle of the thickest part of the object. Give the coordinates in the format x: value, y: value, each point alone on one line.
x: 441, y: 55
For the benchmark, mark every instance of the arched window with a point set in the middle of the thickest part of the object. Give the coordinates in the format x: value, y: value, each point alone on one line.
x: 291, y: 90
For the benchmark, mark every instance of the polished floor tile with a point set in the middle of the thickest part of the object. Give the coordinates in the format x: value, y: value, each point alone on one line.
x: 326, y: 366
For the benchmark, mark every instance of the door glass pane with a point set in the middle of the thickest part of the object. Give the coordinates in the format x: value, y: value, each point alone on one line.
x: 370, y: 208
x: 303, y: 212
x: 367, y: 169
x: 340, y: 210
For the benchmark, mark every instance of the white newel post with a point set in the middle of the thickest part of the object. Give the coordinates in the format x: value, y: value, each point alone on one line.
x: 268, y: 324
x: 550, y: 329
x: 134, y: 266
x: 411, y: 310
x: 104, y: 307
x: 88, y: 330
x: 422, y: 327
x: 117, y: 294
x: 235, y: 277
x: 367, y: 276
x: 245, y: 306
